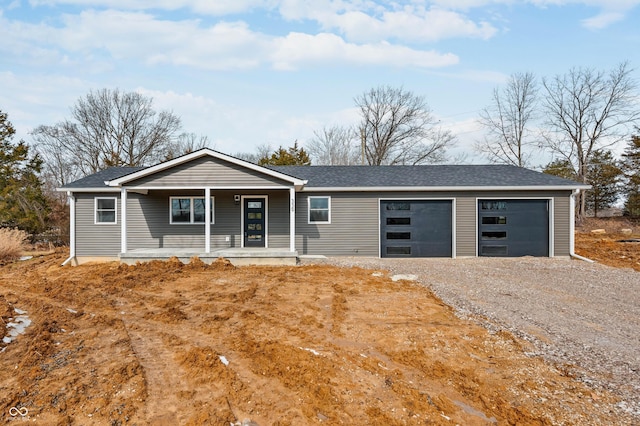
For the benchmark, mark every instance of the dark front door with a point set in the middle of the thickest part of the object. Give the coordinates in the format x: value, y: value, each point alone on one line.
x: 254, y: 221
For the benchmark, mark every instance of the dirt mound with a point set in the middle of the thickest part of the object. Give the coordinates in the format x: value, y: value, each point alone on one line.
x: 612, y: 247
x: 169, y: 343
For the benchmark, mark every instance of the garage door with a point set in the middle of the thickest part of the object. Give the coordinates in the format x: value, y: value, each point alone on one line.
x: 513, y: 228
x: 415, y: 228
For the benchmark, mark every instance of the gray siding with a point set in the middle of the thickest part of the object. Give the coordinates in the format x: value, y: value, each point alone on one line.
x: 354, y: 228
x: 278, y: 217
x: 148, y: 221
x: 466, y: 225
x: 562, y: 219
x: 93, y: 239
x: 210, y: 172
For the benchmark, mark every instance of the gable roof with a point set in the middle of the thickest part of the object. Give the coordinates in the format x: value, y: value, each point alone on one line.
x: 426, y: 177
x: 204, y: 152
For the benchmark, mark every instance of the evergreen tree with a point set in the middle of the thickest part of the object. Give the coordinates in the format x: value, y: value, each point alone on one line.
x: 631, y: 167
x: 604, y: 176
x: 561, y: 168
x: 294, y: 156
x: 22, y: 201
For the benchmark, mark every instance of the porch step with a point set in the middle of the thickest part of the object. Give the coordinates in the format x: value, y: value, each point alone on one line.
x: 237, y: 256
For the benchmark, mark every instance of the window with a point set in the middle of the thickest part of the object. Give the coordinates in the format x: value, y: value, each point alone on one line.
x: 494, y: 251
x: 493, y: 205
x: 494, y: 220
x: 319, y: 209
x: 398, y: 206
x: 399, y: 251
x: 398, y: 235
x: 187, y: 210
x: 105, y: 210
x: 398, y: 221
x: 494, y: 235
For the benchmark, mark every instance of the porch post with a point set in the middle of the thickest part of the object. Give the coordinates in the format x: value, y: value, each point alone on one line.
x: 207, y: 220
x: 292, y: 219
x: 123, y: 220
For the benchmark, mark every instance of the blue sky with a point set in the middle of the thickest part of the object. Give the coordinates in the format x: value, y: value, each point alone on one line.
x: 248, y: 72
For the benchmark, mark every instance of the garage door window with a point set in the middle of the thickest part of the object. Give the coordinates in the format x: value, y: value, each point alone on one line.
x: 493, y: 205
x: 399, y: 251
x: 398, y: 221
x: 398, y: 206
x: 494, y: 251
x: 398, y: 235
x: 494, y: 235
x: 494, y: 220
x: 319, y: 209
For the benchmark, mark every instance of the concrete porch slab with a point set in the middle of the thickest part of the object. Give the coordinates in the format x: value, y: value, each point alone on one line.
x: 237, y: 256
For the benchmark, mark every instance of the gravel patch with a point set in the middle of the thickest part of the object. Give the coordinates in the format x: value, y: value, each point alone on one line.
x: 583, y: 317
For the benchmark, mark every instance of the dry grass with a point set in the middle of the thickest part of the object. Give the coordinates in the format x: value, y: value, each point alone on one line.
x: 612, y: 225
x: 12, y: 242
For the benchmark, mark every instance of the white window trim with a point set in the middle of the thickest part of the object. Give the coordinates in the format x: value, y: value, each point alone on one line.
x: 95, y: 211
x: 316, y: 222
x: 191, y: 213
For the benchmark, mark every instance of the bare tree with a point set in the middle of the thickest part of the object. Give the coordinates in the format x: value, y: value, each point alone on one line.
x: 186, y: 143
x: 506, y: 121
x: 107, y: 128
x: 587, y: 110
x: 399, y: 128
x: 262, y: 151
x: 334, y: 146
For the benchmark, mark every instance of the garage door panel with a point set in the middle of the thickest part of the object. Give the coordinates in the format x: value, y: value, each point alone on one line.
x: 416, y: 228
x: 513, y: 228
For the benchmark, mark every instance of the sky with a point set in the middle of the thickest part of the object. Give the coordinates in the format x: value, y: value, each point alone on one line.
x: 246, y: 73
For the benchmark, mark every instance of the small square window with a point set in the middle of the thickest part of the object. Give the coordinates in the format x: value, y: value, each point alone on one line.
x: 105, y: 210
x: 319, y: 209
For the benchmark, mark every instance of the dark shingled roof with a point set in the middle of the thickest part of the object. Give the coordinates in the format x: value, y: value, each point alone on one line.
x: 421, y: 176
x: 383, y: 176
x: 96, y: 180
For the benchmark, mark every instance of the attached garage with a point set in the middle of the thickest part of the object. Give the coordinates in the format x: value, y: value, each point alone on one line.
x: 513, y: 227
x: 416, y: 228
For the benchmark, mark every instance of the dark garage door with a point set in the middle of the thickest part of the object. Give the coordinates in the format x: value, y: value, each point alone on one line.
x: 415, y: 228
x: 513, y: 228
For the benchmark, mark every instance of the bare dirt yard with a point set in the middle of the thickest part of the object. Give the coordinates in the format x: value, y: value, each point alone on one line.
x: 164, y: 343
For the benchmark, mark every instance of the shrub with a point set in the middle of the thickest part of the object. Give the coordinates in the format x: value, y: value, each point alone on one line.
x: 12, y: 242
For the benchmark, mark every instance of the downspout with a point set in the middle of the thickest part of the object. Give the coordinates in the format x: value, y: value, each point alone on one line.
x: 572, y: 227
x: 72, y: 228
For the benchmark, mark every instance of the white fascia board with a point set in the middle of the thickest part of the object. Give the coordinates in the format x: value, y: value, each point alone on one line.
x: 201, y: 153
x: 203, y: 187
x: 442, y: 188
x: 100, y: 189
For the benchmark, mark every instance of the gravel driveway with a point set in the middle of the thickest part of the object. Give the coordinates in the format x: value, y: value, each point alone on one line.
x: 584, y: 317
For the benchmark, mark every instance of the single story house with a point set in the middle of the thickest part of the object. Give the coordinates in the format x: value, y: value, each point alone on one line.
x: 209, y: 204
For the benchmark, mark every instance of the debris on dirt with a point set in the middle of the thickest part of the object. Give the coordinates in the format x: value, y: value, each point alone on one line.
x: 307, y: 344
x: 614, y: 248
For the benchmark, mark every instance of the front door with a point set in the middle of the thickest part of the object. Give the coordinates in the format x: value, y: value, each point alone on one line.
x: 254, y: 222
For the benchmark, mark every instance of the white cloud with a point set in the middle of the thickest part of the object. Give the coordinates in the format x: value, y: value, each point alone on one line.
x: 222, y: 46
x: 602, y: 20
x: 409, y: 24
x: 297, y: 50
x: 208, y: 7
